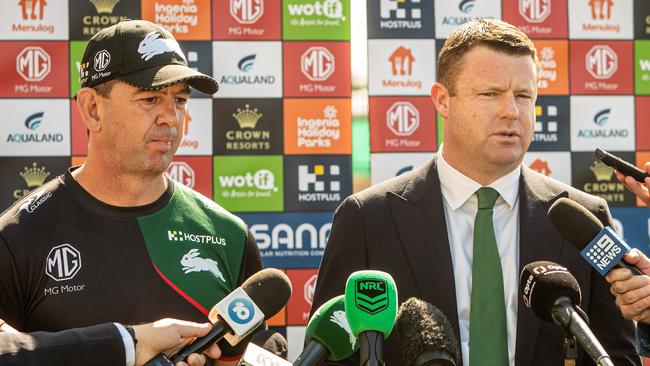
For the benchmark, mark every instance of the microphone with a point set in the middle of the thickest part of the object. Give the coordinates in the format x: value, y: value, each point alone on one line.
x: 234, y: 317
x: 328, y: 335
x: 266, y: 348
x: 598, y: 245
x: 426, y: 337
x: 371, y: 309
x: 553, y: 294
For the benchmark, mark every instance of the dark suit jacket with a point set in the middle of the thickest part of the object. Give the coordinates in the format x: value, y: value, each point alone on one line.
x: 97, y: 345
x: 398, y: 227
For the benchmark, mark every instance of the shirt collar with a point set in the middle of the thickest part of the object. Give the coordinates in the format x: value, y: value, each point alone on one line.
x: 457, y: 188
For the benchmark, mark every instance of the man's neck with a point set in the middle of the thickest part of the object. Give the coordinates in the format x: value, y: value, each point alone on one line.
x: 479, y: 172
x: 124, y: 190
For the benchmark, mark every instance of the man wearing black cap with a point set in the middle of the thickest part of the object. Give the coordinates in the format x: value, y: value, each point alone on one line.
x: 116, y: 239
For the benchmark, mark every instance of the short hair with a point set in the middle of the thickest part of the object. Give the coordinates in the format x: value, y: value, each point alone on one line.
x: 492, y: 33
x: 104, y: 89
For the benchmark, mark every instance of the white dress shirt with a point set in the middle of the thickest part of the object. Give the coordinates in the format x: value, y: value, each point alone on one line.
x: 461, y: 205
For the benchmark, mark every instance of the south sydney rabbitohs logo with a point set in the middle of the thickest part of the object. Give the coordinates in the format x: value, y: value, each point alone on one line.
x: 193, y: 263
x: 371, y: 296
x: 153, y: 45
x: 338, y: 317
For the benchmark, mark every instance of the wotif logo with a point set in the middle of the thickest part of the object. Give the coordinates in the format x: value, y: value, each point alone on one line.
x: 262, y: 179
x: 181, y: 172
x: 466, y: 6
x: 241, y: 310
x: 402, y: 118
x: 331, y: 9
x: 246, y: 11
x: 34, y: 121
x: 601, y: 62
x: 602, y: 117
x: 63, y: 262
x: 317, y: 63
x: 33, y: 63
x: 246, y: 63
x: 535, y: 11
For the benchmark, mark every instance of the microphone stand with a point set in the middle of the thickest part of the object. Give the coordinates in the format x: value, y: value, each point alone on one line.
x: 570, y: 349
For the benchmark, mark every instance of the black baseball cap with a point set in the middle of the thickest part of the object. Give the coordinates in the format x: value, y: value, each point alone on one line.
x: 141, y: 54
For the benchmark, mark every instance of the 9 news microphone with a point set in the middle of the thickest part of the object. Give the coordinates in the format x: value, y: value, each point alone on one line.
x: 266, y: 348
x: 234, y: 317
x: 371, y: 309
x: 598, y: 245
x: 425, y: 335
x: 328, y: 335
x: 551, y: 292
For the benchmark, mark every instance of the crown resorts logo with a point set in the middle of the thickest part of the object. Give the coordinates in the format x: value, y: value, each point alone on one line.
x: 181, y: 172
x: 104, y: 6
x: 400, y: 14
x: 319, y: 132
x: 247, y: 137
x: 104, y: 18
x: 546, y: 129
x: 33, y: 176
x: 535, y: 11
x: 605, y: 186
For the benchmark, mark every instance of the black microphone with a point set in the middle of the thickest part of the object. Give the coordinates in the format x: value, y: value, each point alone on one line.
x: 598, y: 245
x: 266, y: 348
x: 234, y: 317
x: 426, y: 336
x: 553, y: 294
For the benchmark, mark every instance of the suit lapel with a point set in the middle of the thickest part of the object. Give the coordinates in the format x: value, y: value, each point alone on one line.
x: 420, y: 221
x: 537, y: 241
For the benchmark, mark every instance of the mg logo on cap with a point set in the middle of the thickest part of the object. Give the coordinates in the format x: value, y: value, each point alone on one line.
x: 63, y: 262
x: 101, y: 60
x: 317, y: 63
x: 403, y: 118
x: 33, y: 63
x: 535, y: 11
x: 371, y: 296
x: 181, y: 172
x: 246, y: 11
x: 601, y: 62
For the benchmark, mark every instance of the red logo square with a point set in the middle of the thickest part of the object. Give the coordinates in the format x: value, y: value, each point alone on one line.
x: 601, y: 67
x: 537, y: 18
x: 194, y: 172
x: 247, y: 19
x: 642, y: 123
x: 402, y: 124
x: 34, y: 69
x: 303, y: 283
x: 79, y: 132
x: 317, y: 69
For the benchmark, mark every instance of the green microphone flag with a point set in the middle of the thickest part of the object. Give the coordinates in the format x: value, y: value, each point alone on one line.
x: 329, y: 326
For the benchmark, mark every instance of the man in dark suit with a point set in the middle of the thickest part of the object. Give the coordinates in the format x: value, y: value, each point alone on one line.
x: 107, y: 344
x: 457, y: 231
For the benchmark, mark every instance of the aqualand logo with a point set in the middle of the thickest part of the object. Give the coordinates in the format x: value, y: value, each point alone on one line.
x: 33, y: 122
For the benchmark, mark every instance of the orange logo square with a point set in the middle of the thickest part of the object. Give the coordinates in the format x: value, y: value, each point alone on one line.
x: 185, y: 19
x: 317, y: 126
x: 553, y: 67
x: 641, y: 158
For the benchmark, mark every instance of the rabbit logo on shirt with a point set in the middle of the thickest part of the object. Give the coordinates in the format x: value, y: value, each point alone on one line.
x: 152, y: 45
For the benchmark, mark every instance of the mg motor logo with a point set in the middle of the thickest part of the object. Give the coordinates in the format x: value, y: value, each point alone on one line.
x: 403, y: 118
x: 246, y: 11
x: 33, y: 63
x: 371, y: 296
x: 601, y: 62
x: 317, y: 63
x: 181, y: 172
x: 101, y: 60
x: 63, y: 262
x: 310, y: 288
x: 535, y: 11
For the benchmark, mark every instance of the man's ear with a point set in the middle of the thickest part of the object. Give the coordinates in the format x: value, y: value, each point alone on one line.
x: 90, y: 108
x: 440, y: 97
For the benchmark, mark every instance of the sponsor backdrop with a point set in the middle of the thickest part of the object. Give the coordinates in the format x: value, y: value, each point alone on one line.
x: 275, y: 144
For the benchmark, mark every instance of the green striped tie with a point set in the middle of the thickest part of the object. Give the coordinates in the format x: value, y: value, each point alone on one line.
x: 488, y: 339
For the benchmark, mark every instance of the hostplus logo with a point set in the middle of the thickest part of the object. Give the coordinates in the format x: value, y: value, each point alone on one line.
x: 401, y: 67
x: 181, y: 172
x: 601, y: 62
x: 185, y: 237
x: 400, y: 14
x: 318, y: 185
x: 317, y: 63
x: 319, y: 132
x: 247, y: 11
x: 535, y: 11
x: 32, y: 123
x: 546, y: 125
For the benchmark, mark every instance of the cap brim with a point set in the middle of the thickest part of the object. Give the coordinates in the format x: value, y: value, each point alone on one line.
x: 164, y: 76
